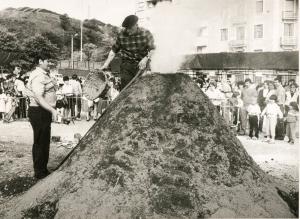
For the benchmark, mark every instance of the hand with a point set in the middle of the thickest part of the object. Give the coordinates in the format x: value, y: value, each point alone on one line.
x: 54, y: 115
x: 143, y: 63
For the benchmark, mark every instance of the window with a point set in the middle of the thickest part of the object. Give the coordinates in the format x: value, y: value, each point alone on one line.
x: 289, y: 5
x: 240, y: 33
x: 224, y: 34
x: 288, y: 29
x: 200, y: 49
x: 201, y: 31
x: 259, y: 6
x: 258, y: 31
x: 258, y: 50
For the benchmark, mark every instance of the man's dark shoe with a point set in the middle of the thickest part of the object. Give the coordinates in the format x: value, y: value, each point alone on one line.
x: 41, y: 175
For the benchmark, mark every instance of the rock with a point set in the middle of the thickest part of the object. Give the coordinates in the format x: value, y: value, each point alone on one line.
x: 160, y: 150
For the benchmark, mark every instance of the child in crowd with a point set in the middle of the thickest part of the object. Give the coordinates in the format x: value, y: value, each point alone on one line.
x: 60, y: 103
x: 253, y: 111
x: 3, y: 100
x: 291, y: 121
x: 271, y: 111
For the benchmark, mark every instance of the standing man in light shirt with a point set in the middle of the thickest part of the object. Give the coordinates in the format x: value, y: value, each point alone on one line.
x: 78, y: 94
x: 247, y: 94
x: 280, y: 93
x: 41, y: 90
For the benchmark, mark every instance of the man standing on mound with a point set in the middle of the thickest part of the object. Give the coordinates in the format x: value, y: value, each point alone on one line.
x: 135, y: 46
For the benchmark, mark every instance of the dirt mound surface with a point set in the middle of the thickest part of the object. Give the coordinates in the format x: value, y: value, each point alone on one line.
x: 161, y: 150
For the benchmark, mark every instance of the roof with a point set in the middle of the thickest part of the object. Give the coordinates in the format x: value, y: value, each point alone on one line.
x: 243, y: 61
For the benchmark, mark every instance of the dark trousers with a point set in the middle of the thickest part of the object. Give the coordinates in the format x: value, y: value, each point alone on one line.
x: 78, y: 104
x: 40, y: 120
x: 128, y: 70
x: 21, y: 109
x: 71, y: 104
x: 253, y: 123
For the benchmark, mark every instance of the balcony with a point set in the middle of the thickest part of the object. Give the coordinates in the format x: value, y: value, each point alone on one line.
x: 237, y: 43
x: 288, y: 41
x: 289, y: 15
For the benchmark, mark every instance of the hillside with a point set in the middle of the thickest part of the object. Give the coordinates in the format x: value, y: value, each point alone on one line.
x: 26, y: 22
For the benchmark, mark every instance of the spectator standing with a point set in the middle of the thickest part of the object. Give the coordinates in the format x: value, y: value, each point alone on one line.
x: 253, y: 111
x: 271, y: 113
x: 41, y: 89
x: 9, y: 105
x: 292, y: 119
x: 248, y: 93
x: 68, y: 92
x: 19, y: 87
x: 291, y: 96
x: 3, y: 100
x: 262, y: 94
x: 77, y: 94
x: 215, y: 95
x: 272, y: 91
x: 280, y: 93
x: 60, y: 103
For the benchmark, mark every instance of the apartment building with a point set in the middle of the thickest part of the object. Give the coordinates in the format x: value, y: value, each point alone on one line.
x: 249, y: 26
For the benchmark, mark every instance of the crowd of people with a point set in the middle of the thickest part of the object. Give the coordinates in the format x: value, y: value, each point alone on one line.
x: 70, y: 103
x: 269, y: 108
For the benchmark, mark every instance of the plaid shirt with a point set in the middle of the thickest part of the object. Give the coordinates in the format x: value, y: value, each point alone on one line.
x: 135, y: 46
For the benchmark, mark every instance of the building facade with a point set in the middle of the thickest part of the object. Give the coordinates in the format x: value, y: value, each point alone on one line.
x: 238, y: 25
x: 250, y: 26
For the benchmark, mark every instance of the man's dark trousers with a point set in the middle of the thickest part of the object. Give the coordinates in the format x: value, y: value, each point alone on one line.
x: 253, y: 122
x: 128, y: 70
x: 40, y: 120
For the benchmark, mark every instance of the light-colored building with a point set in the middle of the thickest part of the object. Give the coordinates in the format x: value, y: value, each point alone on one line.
x: 238, y: 25
x: 250, y: 26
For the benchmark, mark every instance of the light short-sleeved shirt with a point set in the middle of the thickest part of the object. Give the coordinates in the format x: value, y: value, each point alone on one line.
x: 40, y: 83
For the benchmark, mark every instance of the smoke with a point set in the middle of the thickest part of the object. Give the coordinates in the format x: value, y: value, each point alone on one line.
x: 174, y: 27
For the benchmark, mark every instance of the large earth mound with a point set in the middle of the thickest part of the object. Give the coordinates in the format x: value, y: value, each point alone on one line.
x: 161, y: 150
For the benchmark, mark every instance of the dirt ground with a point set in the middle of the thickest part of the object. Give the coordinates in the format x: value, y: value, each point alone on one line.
x: 280, y: 160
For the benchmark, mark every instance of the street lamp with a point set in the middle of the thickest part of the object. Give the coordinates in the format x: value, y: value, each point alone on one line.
x: 72, y: 51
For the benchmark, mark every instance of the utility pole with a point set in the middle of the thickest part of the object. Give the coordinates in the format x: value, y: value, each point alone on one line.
x: 72, y: 49
x: 81, y: 31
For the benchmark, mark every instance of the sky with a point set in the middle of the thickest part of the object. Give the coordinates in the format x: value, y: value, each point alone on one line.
x: 107, y: 11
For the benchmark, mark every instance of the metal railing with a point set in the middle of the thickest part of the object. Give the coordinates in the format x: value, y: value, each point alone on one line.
x: 289, y: 15
x: 288, y: 41
x: 237, y: 43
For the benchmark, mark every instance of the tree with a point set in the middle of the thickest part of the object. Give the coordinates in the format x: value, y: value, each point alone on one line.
x: 88, y: 50
x: 65, y: 22
x: 54, y: 39
x: 9, y: 42
x: 39, y: 47
x: 161, y: 150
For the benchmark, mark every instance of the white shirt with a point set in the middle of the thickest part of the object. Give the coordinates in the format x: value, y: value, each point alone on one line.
x: 272, y: 110
x: 67, y: 90
x: 19, y: 85
x: 76, y: 87
x: 253, y: 110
